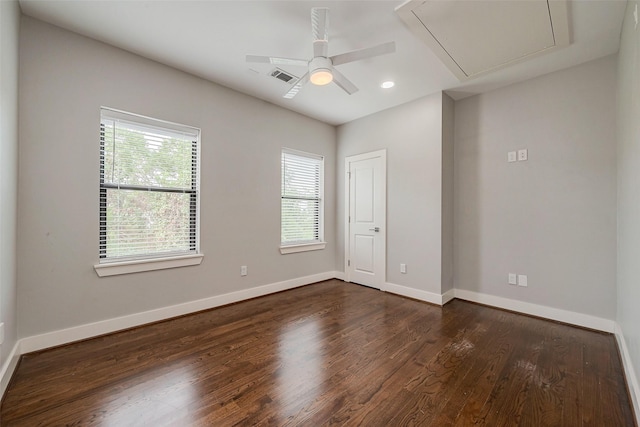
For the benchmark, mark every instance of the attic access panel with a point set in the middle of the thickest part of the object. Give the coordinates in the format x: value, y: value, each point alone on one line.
x: 474, y: 37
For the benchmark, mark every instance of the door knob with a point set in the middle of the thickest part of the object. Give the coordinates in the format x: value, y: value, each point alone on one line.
x: 376, y: 229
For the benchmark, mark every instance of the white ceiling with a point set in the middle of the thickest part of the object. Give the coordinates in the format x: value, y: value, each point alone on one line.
x: 211, y: 38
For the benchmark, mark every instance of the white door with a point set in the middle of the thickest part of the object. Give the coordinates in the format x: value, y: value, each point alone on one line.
x: 365, y: 222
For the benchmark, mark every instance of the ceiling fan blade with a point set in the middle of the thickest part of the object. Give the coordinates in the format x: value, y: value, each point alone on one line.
x: 319, y: 26
x: 277, y: 61
x: 365, y: 53
x: 343, y: 82
x: 296, y: 88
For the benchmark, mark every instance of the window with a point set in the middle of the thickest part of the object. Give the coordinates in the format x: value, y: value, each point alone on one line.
x: 149, y: 193
x: 302, y: 202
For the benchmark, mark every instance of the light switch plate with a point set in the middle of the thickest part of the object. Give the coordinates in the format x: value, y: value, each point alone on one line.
x: 523, y: 155
x: 512, y: 156
x: 403, y: 268
x: 243, y: 270
x: 513, y: 279
x: 522, y: 280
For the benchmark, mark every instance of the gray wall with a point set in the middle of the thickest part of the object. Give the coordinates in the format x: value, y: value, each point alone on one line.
x: 628, y: 316
x: 65, y: 78
x: 412, y: 135
x: 9, y: 29
x: 552, y: 217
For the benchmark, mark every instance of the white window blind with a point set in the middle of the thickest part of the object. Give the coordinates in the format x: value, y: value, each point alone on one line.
x: 148, y: 187
x: 302, y: 198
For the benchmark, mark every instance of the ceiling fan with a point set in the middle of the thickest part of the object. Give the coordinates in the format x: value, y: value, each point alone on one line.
x: 321, y: 68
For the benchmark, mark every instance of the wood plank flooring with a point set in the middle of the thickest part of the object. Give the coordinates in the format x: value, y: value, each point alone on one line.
x: 331, y: 353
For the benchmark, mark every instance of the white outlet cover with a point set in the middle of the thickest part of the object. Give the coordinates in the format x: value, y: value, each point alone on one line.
x: 523, y: 155
x: 243, y: 270
x: 403, y: 268
x: 522, y: 280
x: 512, y: 156
x: 513, y: 279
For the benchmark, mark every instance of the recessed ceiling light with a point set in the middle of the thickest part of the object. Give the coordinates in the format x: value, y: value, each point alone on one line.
x: 387, y: 85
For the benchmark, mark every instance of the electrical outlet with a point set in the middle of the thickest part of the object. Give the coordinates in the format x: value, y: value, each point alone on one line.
x: 523, y: 155
x: 522, y: 280
x: 403, y: 268
x: 243, y: 270
x: 513, y: 279
x: 512, y: 156
x: 1, y: 333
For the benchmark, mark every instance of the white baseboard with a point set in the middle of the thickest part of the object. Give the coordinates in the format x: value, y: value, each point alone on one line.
x: 570, y: 317
x: 418, y: 294
x: 65, y: 336
x: 565, y: 316
x: 76, y: 333
x: 8, y: 367
x: 448, y: 296
x: 629, y: 372
x: 339, y: 275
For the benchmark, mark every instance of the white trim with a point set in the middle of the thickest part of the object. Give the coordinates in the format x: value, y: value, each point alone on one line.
x: 313, y: 246
x: 550, y: 313
x: 76, y: 333
x: 291, y: 249
x: 192, y: 135
x: 8, y: 367
x: 565, y: 316
x: 65, y: 336
x: 629, y: 372
x: 345, y: 219
x: 136, y: 266
x: 448, y: 296
x: 126, y: 116
x: 418, y: 294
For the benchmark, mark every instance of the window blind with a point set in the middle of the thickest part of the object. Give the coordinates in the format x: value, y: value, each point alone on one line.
x: 301, y: 202
x: 148, y: 188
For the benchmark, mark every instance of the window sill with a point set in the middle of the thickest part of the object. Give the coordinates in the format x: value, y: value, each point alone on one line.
x: 290, y: 249
x: 126, y: 267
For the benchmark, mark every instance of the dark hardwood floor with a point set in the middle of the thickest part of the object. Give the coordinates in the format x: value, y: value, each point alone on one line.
x: 332, y: 353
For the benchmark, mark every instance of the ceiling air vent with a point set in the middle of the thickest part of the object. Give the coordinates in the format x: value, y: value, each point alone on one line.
x: 283, y: 75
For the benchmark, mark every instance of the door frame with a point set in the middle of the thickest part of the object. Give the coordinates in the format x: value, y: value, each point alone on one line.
x: 347, y: 200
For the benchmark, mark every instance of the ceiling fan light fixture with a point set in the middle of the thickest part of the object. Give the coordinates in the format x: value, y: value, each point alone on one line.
x: 321, y: 77
x: 320, y: 71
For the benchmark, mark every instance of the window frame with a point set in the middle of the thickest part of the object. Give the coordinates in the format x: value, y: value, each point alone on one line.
x: 303, y: 246
x: 151, y: 261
